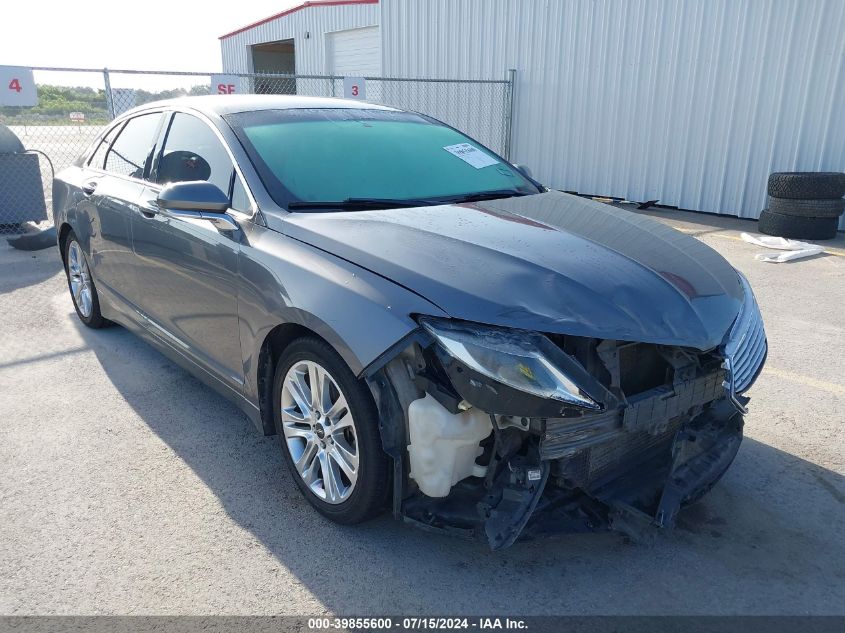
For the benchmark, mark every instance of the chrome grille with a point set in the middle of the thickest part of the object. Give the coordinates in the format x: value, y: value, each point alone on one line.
x: 746, y: 347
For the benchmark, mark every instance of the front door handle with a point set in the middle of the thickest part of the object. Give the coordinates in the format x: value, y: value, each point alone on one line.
x: 149, y: 208
x: 89, y: 187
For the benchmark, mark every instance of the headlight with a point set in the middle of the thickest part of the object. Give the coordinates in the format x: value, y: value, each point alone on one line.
x: 524, y: 361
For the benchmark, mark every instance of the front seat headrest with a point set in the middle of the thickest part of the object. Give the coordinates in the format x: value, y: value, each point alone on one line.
x: 179, y: 166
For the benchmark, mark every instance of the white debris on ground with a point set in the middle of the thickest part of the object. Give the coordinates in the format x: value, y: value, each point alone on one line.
x: 793, y: 249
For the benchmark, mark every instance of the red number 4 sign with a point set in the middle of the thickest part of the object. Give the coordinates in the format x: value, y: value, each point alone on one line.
x: 17, y: 87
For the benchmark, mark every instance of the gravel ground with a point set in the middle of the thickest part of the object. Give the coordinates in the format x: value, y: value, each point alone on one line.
x: 126, y: 487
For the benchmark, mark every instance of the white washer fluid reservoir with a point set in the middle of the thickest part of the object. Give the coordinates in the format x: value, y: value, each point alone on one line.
x: 444, y: 446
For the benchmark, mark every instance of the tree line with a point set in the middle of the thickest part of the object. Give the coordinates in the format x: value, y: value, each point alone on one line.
x: 57, y: 102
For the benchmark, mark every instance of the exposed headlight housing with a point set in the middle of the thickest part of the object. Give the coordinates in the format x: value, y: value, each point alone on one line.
x: 510, y: 372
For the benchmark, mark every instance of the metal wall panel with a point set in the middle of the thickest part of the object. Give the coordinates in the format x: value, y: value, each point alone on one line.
x: 310, y: 53
x: 692, y: 102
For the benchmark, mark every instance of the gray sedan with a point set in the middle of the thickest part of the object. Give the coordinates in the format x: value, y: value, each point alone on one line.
x: 424, y: 326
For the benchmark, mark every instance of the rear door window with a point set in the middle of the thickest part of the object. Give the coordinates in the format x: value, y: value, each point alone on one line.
x: 192, y: 151
x: 131, y: 154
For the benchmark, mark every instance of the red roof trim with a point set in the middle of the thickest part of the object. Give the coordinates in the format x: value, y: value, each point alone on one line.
x: 316, y: 3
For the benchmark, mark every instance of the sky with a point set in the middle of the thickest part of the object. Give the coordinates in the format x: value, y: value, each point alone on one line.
x: 149, y: 35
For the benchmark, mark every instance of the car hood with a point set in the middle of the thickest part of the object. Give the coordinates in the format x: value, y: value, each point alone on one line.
x: 550, y: 262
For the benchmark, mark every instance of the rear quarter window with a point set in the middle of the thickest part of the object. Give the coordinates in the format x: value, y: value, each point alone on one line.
x: 98, y: 158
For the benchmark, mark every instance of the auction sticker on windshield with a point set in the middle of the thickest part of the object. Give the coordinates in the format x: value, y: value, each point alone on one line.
x: 472, y: 155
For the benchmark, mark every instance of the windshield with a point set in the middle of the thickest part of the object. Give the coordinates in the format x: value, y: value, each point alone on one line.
x: 308, y: 156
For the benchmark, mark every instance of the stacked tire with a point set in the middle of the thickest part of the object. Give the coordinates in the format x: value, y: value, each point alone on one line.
x: 804, y: 205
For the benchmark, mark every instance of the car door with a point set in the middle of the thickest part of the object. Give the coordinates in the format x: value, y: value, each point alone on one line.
x: 112, y: 186
x: 186, y: 272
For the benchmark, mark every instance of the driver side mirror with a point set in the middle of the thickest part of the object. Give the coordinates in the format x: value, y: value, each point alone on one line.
x: 197, y: 199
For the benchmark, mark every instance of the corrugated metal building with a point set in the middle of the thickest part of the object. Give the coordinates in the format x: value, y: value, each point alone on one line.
x: 316, y: 38
x: 690, y: 102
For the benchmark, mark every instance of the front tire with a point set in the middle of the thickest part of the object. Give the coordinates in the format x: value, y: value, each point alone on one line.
x: 83, y: 291
x: 328, y: 429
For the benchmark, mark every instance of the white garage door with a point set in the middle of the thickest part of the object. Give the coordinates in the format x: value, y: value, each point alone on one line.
x: 355, y: 52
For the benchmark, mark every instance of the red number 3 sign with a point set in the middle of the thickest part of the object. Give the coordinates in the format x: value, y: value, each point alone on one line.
x: 17, y: 87
x: 354, y: 88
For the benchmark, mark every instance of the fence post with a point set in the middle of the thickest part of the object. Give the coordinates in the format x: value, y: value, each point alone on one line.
x: 109, y: 96
x: 509, y: 114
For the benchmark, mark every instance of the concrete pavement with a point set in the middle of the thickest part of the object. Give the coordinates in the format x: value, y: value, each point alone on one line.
x: 126, y: 487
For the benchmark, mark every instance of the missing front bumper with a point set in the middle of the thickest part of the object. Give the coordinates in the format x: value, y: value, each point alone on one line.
x: 647, y: 492
x: 628, y: 469
x: 644, y: 492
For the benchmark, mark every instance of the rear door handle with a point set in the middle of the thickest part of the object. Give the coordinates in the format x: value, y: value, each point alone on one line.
x: 89, y: 187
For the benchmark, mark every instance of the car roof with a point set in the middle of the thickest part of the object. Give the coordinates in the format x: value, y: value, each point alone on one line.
x: 229, y: 104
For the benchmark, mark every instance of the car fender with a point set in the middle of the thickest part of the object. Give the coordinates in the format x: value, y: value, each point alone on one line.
x: 284, y: 281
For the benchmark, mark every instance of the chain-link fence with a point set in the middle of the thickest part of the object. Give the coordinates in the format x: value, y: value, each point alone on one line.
x: 75, y: 104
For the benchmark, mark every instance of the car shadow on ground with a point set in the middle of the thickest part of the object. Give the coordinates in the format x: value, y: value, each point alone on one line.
x: 773, y: 525
x: 21, y: 269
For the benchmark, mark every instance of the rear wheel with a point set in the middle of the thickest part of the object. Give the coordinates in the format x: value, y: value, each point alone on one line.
x: 83, y: 292
x: 328, y: 428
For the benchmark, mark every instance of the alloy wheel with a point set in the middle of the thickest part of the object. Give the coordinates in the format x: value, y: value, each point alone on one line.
x: 319, y: 432
x: 80, y: 280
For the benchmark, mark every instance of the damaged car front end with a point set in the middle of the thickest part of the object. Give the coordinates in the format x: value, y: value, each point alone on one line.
x: 501, y: 434
x: 414, y: 317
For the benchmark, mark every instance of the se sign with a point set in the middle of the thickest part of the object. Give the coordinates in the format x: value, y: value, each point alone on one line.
x: 17, y: 87
x: 224, y: 84
x: 355, y: 88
